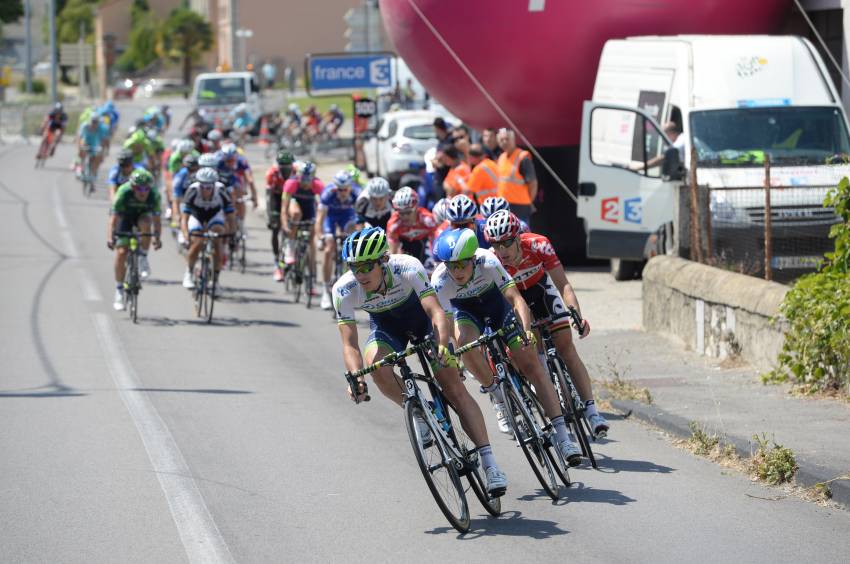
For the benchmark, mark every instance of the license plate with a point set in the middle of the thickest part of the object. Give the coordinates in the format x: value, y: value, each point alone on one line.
x: 795, y: 262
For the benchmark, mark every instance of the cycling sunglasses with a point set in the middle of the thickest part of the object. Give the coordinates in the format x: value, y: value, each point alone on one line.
x: 142, y: 188
x: 458, y: 264
x: 503, y: 244
x: 363, y: 267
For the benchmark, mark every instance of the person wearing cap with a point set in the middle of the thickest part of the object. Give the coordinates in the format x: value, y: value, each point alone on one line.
x: 483, y: 181
x: 517, y: 178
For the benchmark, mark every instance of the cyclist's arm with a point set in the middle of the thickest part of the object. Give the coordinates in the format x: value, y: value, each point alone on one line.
x: 320, y: 221
x: 442, y: 327
x: 559, y: 278
x: 520, y: 307
x: 284, y: 209
x: 350, y: 348
x: 112, y: 226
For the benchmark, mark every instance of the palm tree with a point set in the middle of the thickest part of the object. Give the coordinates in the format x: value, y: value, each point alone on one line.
x: 185, y: 36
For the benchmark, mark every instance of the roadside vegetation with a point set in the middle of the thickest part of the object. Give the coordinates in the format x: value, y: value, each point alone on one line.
x: 617, y: 386
x: 815, y: 357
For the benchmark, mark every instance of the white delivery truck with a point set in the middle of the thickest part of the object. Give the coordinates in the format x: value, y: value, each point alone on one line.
x: 736, y: 100
x: 216, y: 94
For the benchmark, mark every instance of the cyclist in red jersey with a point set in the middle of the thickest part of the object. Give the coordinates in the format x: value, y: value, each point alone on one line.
x: 276, y: 176
x: 410, y: 226
x: 531, y: 260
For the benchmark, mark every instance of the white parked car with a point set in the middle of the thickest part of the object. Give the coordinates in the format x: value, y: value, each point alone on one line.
x: 402, y: 138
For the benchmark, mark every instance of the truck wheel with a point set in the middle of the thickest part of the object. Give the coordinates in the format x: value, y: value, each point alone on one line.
x: 625, y: 269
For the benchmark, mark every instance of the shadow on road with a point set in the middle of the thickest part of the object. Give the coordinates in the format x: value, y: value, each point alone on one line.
x: 192, y: 391
x: 216, y: 322
x: 610, y: 465
x: 582, y: 493
x: 511, y: 523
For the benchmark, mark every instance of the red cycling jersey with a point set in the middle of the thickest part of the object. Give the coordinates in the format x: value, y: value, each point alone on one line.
x: 422, y: 228
x: 275, y: 180
x: 538, y: 256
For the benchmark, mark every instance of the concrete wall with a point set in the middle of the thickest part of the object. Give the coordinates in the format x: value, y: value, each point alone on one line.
x: 713, y: 311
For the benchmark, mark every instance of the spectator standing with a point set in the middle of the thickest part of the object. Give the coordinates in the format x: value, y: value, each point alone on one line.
x: 269, y: 72
x: 490, y: 144
x: 517, y: 178
x: 460, y: 139
x: 456, y: 178
x: 483, y: 181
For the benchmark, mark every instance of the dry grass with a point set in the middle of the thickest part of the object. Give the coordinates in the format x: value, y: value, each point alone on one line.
x: 617, y: 386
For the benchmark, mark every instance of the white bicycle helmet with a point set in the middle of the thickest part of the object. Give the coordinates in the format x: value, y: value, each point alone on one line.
x: 206, y: 176
x: 405, y: 199
x: 501, y: 226
x: 460, y: 209
x: 378, y: 187
x: 208, y: 160
x: 493, y: 204
x: 440, y: 210
x: 185, y: 146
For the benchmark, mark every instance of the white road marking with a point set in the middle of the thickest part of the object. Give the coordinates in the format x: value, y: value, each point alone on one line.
x: 87, y: 284
x: 536, y: 5
x: 200, y: 536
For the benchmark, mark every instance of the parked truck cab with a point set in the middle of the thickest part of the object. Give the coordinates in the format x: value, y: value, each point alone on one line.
x: 735, y: 100
x: 216, y: 94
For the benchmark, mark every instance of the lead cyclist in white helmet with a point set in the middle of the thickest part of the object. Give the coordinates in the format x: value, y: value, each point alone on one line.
x: 373, y: 205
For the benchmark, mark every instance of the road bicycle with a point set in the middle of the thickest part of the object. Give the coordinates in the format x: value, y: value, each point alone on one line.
x: 45, y: 149
x: 237, y: 245
x: 531, y: 428
x: 132, y: 277
x: 205, y: 276
x: 572, y: 406
x: 300, y: 275
x: 87, y: 176
x: 443, y: 451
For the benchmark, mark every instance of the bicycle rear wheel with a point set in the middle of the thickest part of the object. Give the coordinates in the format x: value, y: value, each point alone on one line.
x: 529, y: 438
x: 440, y: 474
x: 474, y: 472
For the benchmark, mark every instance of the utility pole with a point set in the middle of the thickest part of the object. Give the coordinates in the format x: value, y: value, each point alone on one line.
x: 81, y: 79
x: 28, y: 51
x: 51, y: 7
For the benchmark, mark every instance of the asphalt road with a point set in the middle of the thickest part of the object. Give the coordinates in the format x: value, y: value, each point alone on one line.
x: 172, y: 440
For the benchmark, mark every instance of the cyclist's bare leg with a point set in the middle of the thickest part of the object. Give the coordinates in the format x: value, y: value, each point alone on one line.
x: 294, y: 217
x: 563, y: 340
x: 528, y: 364
x: 388, y: 383
x: 328, y: 257
x: 219, y: 256
x: 145, y: 225
x: 120, y: 260
x: 474, y: 359
x: 194, y: 250
x: 471, y: 417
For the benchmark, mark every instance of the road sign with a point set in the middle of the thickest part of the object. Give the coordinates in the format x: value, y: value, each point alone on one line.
x: 365, y: 107
x: 346, y: 73
x: 71, y: 53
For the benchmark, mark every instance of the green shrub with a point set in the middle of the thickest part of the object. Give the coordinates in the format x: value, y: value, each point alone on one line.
x: 772, y: 463
x: 816, y: 351
x: 38, y: 86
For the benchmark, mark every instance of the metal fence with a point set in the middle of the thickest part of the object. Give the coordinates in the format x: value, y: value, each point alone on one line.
x: 770, y: 226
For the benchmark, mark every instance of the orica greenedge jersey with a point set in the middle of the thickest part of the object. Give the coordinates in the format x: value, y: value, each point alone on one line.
x: 407, y: 283
x: 484, y: 291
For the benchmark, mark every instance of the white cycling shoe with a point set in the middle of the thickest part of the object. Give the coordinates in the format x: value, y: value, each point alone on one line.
x: 425, y: 436
x: 326, y: 300
x: 188, y: 283
x: 497, y: 482
x: 502, y: 417
x: 599, y: 425
x: 118, y: 303
x: 570, y: 452
x: 144, y: 267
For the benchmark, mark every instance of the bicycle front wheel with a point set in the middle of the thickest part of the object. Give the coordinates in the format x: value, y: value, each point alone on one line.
x: 474, y: 471
x: 201, y: 291
x: 439, y: 473
x: 572, y: 414
x: 539, y: 415
x: 211, y: 288
x: 530, y: 439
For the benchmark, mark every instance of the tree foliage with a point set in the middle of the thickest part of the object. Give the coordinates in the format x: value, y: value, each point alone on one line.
x: 72, y: 15
x: 11, y: 10
x: 185, y: 36
x: 142, y: 41
x: 816, y: 352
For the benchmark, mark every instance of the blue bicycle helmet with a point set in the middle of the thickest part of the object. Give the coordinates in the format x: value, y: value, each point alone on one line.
x: 456, y: 244
x: 460, y: 209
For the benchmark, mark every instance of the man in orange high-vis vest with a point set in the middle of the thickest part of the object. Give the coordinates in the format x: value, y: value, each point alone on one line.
x: 517, y: 179
x: 484, y: 180
x: 455, y: 182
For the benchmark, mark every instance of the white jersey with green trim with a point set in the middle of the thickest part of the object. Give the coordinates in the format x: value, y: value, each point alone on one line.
x: 489, y: 280
x: 406, y: 281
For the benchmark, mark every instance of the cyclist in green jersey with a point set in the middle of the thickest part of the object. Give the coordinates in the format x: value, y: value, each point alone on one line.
x: 137, y: 204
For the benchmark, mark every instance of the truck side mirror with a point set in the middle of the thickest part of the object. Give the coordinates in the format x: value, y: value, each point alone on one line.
x: 672, y: 168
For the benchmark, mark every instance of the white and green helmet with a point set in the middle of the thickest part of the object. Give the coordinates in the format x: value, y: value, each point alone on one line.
x: 366, y: 244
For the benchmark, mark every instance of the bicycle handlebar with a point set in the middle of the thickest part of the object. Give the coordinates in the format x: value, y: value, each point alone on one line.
x: 578, y: 322
x: 211, y: 235
x: 487, y: 337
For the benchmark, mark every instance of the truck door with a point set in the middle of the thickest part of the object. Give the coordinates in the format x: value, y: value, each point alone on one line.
x: 623, y: 198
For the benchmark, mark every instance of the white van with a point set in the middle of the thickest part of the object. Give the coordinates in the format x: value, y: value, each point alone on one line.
x: 736, y: 99
x: 216, y: 94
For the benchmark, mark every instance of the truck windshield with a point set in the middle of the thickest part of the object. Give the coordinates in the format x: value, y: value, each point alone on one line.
x: 790, y: 135
x: 224, y: 90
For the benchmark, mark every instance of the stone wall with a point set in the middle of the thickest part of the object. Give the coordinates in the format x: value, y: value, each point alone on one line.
x: 713, y: 311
